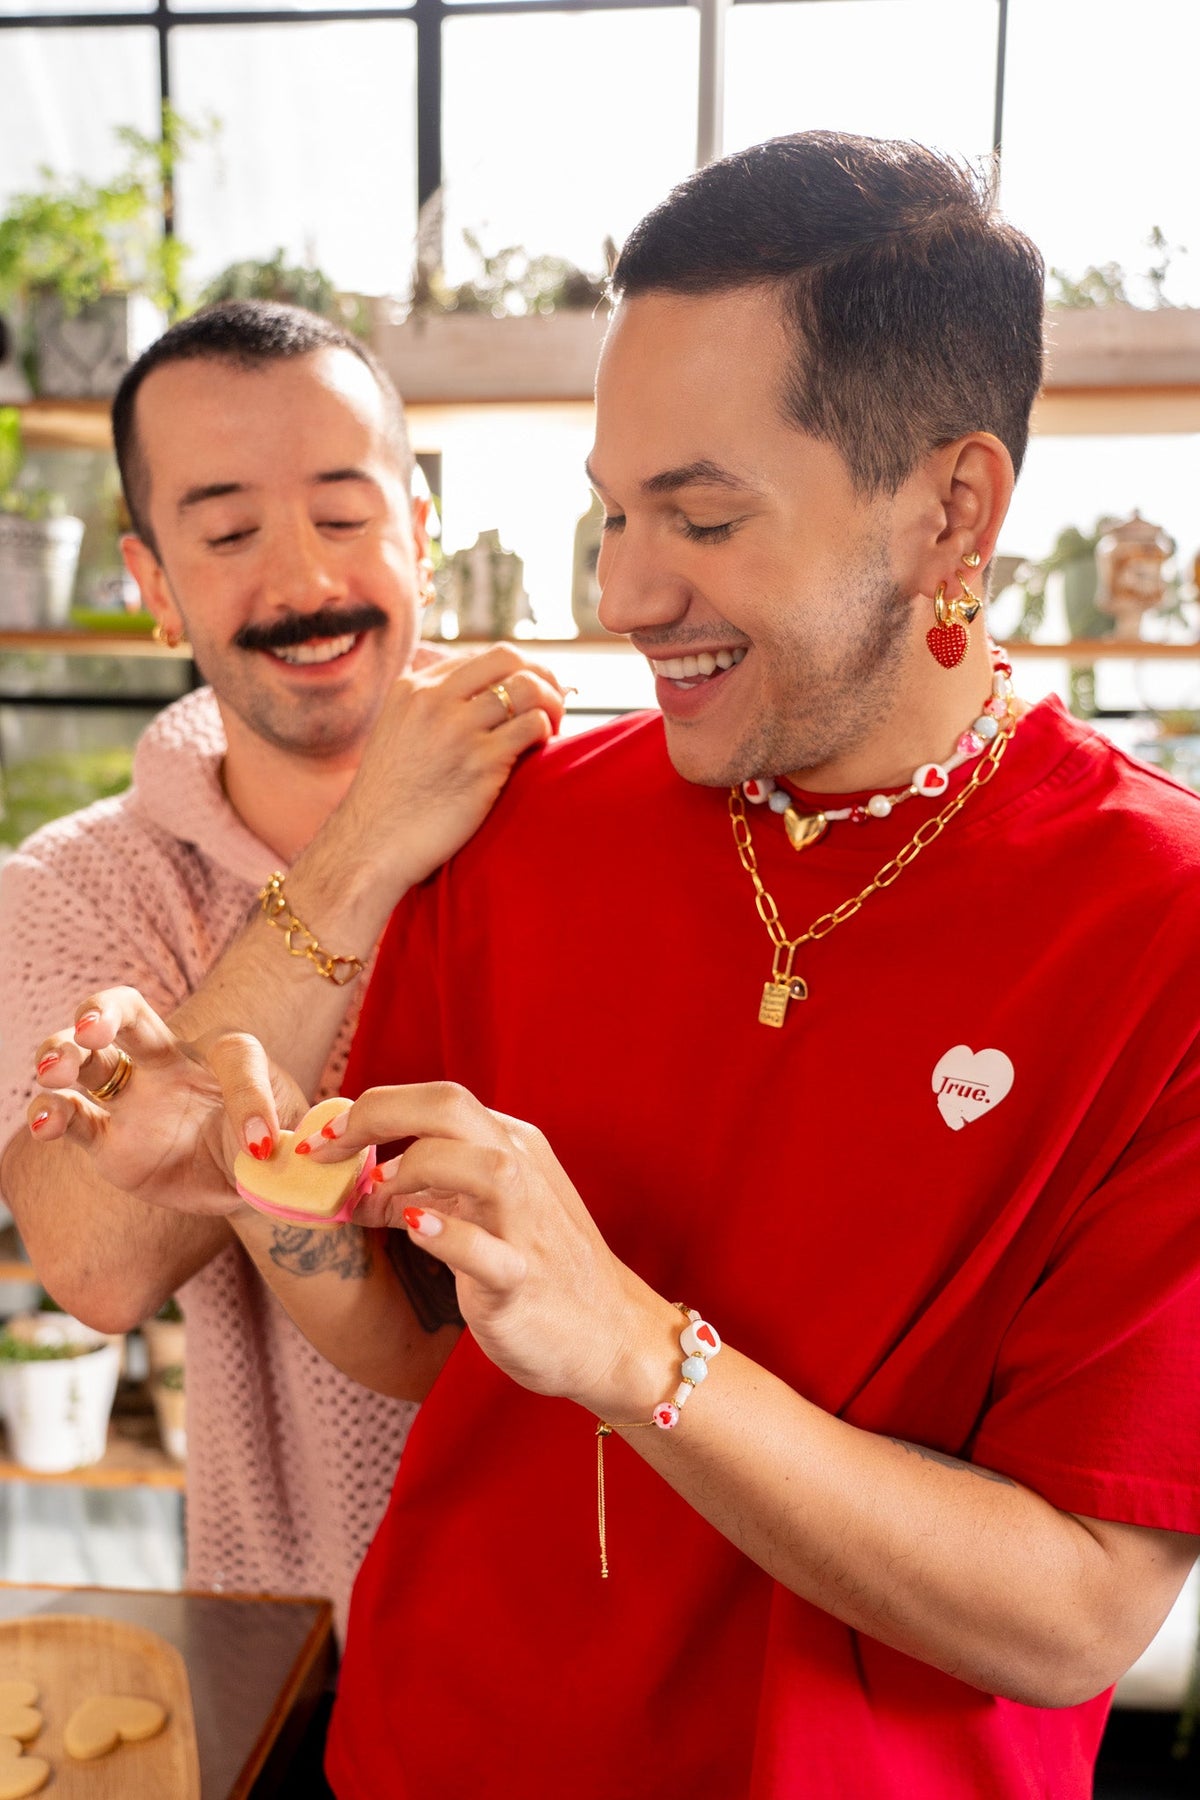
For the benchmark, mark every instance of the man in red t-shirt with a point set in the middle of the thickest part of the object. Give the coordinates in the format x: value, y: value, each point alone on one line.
x: 869, y: 1044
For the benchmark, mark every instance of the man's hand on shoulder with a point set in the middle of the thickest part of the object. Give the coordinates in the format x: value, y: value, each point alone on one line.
x: 445, y: 743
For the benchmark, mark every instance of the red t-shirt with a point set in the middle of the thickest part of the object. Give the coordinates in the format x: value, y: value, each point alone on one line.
x: 966, y: 1174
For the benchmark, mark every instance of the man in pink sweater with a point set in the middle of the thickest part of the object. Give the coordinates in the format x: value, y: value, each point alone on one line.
x: 266, y: 465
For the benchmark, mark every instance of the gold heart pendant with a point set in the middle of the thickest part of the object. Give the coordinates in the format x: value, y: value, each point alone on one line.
x: 804, y: 829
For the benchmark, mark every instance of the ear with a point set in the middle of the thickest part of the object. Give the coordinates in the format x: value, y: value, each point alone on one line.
x: 971, y: 484
x: 151, y: 578
x: 420, y: 524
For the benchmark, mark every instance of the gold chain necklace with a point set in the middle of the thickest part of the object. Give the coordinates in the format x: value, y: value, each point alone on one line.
x: 783, y: 985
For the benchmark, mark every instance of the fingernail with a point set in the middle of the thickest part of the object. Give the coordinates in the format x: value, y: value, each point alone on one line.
x: 335, y: 1127
x: 47, y: 1062
x: 418, y: 1220
x: 38, y: 1120
x: 303, y: 1148
x: 385, y: 1171
x: 87, y: 1018
x: 256, y: 1134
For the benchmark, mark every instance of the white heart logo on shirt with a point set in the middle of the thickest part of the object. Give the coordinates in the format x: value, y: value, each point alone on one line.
x: 969, y: 1083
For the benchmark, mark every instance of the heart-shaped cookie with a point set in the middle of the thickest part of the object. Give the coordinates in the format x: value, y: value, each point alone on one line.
x: 20, y: 1774
x: 107, y: 1720
x: 948, y: 643
x: 294, y: 1187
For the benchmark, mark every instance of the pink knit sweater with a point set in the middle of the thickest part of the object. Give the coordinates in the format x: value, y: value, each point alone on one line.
x: 289, y: 1462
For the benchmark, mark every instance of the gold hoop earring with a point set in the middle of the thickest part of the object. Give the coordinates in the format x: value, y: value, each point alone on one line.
x: 426, y: 585
x: 171, y: 640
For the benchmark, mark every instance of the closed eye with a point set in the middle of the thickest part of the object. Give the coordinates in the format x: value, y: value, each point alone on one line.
x: 707, y: 534
x: 230, y: 537
x: 613, y: 522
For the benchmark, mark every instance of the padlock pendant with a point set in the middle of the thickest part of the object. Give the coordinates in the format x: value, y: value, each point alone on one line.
x: 772, y: 1009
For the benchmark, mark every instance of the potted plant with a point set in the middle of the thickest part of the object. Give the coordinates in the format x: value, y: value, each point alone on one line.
x: 165, y: 1339
x: 92, y: 266
x: 39, y: 541
x: 292, y: 284
x: 58, y: 1379
x: 523, y: 327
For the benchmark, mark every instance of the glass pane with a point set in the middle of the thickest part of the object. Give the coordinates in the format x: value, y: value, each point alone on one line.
x: 534, y: 150
x: 317, y: 149
x: 1099, y: 136
x: 929, y: 74
x: 64, y: 91
x: 299, y: 6
x: 75, y: 6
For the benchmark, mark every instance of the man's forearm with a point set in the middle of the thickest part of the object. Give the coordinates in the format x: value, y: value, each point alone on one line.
x: 949, y: 1563
x: 342, y: 1290
x: 103, y: 1255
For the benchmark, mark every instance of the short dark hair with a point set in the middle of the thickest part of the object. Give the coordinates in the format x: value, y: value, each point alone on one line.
x: 918, y: 310
x: 247, y: 334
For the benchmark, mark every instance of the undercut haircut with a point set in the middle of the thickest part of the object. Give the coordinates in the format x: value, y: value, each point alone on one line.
x: 916, y: 309
x: 245, y: 334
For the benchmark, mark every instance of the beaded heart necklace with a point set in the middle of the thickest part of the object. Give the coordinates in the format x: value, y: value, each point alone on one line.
x: 784, y: 984
x: 928, y: 782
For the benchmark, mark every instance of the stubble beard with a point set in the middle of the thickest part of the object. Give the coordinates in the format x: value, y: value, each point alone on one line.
x: 838, y: 687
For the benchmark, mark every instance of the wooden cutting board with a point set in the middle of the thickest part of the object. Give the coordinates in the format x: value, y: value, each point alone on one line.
x: 71, y: 1658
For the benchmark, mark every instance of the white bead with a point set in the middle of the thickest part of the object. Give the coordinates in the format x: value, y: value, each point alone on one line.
x: 930, y: 778
x: 665, y: 1415
x: 699, y: 1339
x: 999, y: 686
x: 779, y: 800
x: 679, y: 1397
x: 758, y: 789
x: 879, y: 806
x: 985, y: 727
x: 694, y: 1368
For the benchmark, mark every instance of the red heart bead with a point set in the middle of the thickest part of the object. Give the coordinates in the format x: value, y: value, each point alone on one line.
x: 948, y: 643
x: 706, y: 1335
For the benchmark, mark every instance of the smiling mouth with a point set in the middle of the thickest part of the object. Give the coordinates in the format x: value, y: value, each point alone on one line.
x: 693, y: 671
x: 316, y: 650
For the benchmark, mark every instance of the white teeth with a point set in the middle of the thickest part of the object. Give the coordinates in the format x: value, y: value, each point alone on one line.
x: 317, y: 650
x: 687, y: 668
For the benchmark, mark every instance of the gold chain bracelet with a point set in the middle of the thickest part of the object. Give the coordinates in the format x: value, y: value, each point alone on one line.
x: 300, y: 941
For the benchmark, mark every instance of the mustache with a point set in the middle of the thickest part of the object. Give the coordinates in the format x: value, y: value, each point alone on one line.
x: 300, y: 628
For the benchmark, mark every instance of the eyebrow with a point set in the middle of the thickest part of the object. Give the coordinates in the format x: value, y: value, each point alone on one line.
x: 694, y: 474
x: 220, y: 490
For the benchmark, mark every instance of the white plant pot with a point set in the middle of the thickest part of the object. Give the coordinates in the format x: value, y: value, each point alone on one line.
x: 57, y: 1412
x: 83, y: 355
x: 38, y: 560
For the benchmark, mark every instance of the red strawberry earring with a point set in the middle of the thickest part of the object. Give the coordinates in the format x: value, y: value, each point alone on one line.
x: 947, y: 639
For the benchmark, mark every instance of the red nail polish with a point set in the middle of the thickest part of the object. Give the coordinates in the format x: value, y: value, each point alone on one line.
x: 413, y: 1216
x: 303, y: 1149
x: 377, y: 1174
x: 261, y: 1151
x: 38, y: 1120
x: 327, y: 1131
x: 87, y: 1018
x: 47, y: 1062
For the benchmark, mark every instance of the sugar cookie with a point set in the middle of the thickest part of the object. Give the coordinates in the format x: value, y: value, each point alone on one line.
x: 20, y: 1774
x: 106, y: 1720
x: 294, y: 1187
x: 18, y: 1719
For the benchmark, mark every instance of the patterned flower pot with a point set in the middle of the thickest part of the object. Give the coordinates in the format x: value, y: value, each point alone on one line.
x: 38, y: 560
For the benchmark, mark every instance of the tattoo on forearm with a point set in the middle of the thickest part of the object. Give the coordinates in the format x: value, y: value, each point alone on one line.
x: 428, y: 1284
x: 299, y: 1250
x: 953, y: 1462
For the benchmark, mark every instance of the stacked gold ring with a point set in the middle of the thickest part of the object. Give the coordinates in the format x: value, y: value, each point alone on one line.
x: 118, y: 1080
x: 504, y: 697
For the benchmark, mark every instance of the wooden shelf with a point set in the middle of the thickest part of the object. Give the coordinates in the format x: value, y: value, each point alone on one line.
x: 134, y: 1458
x: 1084, y: 650
x: 14, y: 1264
x: 66, y: 424
x: 92, y: 643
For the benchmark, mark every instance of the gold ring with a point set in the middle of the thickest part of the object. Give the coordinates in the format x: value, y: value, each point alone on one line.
x: 119, y: 1078
x: 503, y: 696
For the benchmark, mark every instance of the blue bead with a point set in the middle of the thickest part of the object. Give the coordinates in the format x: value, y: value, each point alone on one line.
x: 779, y: 801
x: 694, y: 1369
x: 985, y: 727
